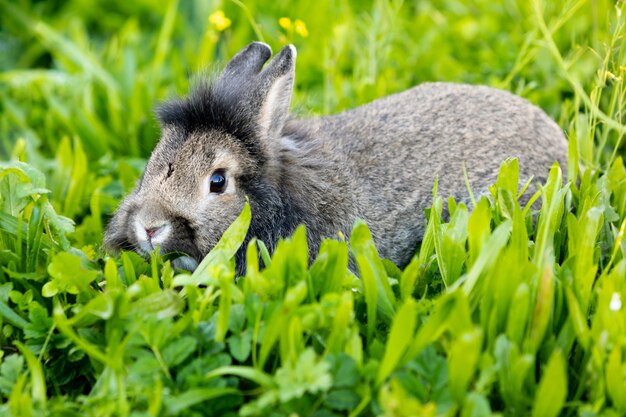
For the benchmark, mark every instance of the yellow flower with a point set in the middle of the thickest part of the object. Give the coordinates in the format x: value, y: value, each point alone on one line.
x: 219, y: 21
x: 613, y: 76
x: 301, y: 29
x: 285, y: 23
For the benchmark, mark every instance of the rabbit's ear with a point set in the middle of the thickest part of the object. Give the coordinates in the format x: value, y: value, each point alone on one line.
x: 248, y: 62
x: 275, y: 88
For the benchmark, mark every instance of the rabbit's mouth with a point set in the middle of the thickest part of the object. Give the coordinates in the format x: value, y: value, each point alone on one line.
x: 148, y: 239
x: 159, y: 238
x: 178, y: 259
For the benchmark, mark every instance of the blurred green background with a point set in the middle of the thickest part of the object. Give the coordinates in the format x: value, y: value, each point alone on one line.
x: 96, y: 68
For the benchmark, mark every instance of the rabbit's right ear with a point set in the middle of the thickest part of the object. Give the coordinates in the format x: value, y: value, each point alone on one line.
x: 266, y: 92
x: 257, y: 97
x: 275, y: 89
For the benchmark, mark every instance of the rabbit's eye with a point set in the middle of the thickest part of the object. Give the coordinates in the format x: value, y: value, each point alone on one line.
x: 218, y: 181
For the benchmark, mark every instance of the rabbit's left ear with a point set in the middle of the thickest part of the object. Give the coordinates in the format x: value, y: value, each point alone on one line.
x: 275, y: 87
x: 247, y: 63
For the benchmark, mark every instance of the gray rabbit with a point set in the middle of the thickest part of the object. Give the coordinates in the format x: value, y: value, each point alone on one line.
x: 233, y: 137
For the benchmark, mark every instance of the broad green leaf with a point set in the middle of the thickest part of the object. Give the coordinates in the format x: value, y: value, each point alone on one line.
x: 344, y: 371
x: 476, y: 405
x: 240, y: 345
x: 37, y: 378
x: 453, y: 253
x: 577, y: 318
x: 276, y: 326
x: 400, y: 336
x: 102, y: 306
x: 11, y: 367
x: 111, y: 275
x: 68, y: 275
x: 550, y: 215
x: 478, y: 229
x: 409, y: 277
x: 343, y: 315
x: 329, y: 269
x: 513, y: 369
x: 342, y: 399
x: 252, y: 374
x: 229, y: 243
x: 237, y: 318
x: 162, y: 304
x: 552, y: 390
x: 518, y: 314
x: 372, y: 271
x: 582, y: 241
x: 308, y: 374
x: 11, y: 316
x: 20, y: 183
x: 487, y: 256
x: 226, y: 284
x: 616, y: 379
x: 396, y: 401
x: 462, y: 360
x: 450, y: 313
x: 542, y: 309
x: 178, y: 404
x: 290, y: 260
x: 179, y: 350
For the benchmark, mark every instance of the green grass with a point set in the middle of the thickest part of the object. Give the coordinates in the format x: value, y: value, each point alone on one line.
x: 496, y: 313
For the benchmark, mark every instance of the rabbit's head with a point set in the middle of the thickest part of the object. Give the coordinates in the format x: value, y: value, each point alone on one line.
x: 218, y: 146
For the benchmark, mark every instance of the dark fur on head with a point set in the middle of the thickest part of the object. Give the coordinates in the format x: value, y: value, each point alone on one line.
x: 213, y: 104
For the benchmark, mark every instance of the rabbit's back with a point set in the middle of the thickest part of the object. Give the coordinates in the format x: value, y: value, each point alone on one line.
x: 394, y: 148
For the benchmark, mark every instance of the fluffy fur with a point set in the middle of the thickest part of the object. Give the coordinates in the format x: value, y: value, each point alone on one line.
x: 376, y: 162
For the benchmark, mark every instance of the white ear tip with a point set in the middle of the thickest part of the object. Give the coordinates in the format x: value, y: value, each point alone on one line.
x: 293, y: 50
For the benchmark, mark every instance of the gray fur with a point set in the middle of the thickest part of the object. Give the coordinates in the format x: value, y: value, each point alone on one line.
x: 377, y: 162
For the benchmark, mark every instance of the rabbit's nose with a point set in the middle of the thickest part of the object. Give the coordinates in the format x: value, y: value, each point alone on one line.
x: 153, y: 231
